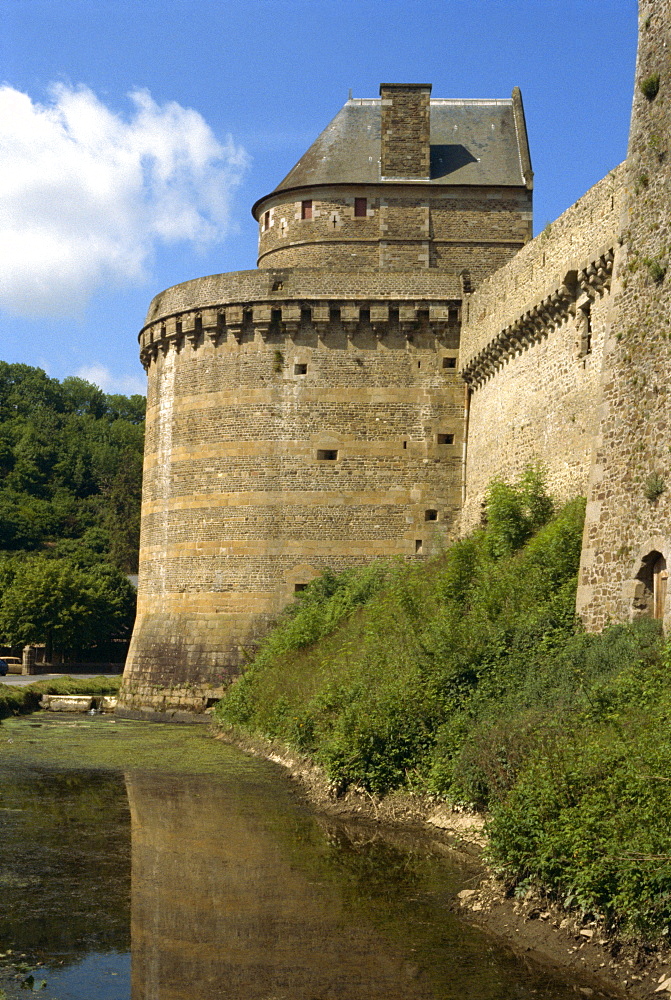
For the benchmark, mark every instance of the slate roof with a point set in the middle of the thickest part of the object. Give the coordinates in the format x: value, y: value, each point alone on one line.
x: 473, y: 142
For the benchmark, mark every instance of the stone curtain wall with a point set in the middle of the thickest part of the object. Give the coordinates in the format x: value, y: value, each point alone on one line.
x: 629, y: 499
x: 540, y: 407
x: 577, y: 238
x: 534, y: 376
x: 477, y: 228
x: 281, y: 441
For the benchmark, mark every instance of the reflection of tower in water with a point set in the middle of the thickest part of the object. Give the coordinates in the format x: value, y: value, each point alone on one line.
x: 219, y: 910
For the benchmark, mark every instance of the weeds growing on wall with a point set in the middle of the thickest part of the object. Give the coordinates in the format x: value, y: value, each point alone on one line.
x: 470, y: 677
x: 650, y: 86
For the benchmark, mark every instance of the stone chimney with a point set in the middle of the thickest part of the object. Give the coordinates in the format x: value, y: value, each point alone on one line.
x: 405, y: 131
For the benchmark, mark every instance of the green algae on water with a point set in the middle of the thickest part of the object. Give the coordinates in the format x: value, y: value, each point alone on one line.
x: 103, y: 742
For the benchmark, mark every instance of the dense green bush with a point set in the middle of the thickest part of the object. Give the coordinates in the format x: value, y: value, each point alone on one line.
x: 380, y: 672
x: 471, y: 678
x: 588, y: 819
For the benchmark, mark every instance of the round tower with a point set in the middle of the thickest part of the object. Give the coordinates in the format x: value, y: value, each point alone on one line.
x: 309, y: 414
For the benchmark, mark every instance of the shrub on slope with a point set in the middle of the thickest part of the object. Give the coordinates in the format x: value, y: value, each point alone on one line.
x: 380, y: 673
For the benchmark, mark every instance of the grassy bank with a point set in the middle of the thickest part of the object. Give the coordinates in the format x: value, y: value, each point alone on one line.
x: 471, y: 679
x: 25, y: 699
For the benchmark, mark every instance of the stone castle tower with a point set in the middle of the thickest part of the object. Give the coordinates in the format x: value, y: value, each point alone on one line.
x: 310, y: 413
x: 402, y: 342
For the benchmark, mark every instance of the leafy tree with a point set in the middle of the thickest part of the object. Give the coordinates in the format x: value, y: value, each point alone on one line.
x: 56, y: 602
x: 70, y: 464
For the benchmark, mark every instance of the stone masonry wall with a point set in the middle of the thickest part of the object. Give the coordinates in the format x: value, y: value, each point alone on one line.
x: 577, y: 238
x: 445, y: 229
x: 541, y: 406
x: 628, y: 524
x: 531, y: 351
x: 405, y: 130
x: 280, y: 442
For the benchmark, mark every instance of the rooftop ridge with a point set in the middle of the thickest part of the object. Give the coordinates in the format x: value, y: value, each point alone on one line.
x: 442, y: 101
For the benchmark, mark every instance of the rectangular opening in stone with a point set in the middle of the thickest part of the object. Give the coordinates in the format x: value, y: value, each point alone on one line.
x: 306, y: 209
x: 300, y: 369
x: 446, y: 439
x: 449, y: 362
x: 431, y: 515
x: 360, y: 208
x: 327, y: 454
x: 418, y: 545
x: 298, y: 587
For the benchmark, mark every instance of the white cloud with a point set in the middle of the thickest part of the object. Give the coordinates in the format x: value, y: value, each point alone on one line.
x: 86, y: 195
x: 128, y: 385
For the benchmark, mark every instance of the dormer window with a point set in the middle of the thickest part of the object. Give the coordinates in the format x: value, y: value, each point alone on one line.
x: 360, y: 208
x: 306, y: 209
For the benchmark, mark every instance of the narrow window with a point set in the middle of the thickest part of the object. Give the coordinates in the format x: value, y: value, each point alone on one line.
x: 327, y: 455
x: 300, y: 369
x: 299, y: 586
x: 449, y: 362
x: 446, y: 439
x: 306, y: 209
x: 360, y: 208
x: 405, y: 444
x: 584, y: 324
x: 418, y: 545
x: 419, y: 364
x: 266, y: 220
x: 430, y: 515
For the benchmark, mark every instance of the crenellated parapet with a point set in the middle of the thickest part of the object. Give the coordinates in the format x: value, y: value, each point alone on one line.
x: 271, y: 321
x: 571, y: 299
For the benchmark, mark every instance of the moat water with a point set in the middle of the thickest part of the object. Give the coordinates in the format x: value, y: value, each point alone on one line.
x: 149, y: 862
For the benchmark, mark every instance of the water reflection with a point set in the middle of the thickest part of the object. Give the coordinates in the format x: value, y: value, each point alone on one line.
x: 222, y: 885
x: 253, y: 901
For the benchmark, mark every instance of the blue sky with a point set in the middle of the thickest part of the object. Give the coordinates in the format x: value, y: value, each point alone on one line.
x: 106, y: 198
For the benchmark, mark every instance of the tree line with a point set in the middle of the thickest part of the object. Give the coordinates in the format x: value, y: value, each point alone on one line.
x: 70, y: 488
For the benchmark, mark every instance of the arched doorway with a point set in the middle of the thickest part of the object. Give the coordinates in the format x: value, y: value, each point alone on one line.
x: 651, y: 587
x: 660, y: 578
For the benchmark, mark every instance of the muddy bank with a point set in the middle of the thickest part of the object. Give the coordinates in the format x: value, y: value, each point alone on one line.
x: 534, y: 927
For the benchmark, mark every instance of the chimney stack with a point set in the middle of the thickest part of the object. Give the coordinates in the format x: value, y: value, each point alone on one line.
x: 405, y: 131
